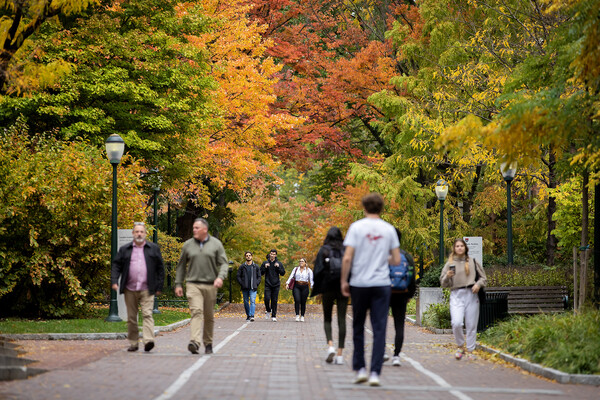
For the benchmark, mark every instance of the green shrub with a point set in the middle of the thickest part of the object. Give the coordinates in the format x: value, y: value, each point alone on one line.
x: 438, y: 315
x: 567, y: 342
x: 528, y: 276
x: 431, y: 276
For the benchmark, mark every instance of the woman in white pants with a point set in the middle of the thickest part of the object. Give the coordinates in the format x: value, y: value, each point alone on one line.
x: 459, y: 275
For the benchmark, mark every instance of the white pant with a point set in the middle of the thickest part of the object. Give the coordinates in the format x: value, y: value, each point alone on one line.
x: 464, y: 305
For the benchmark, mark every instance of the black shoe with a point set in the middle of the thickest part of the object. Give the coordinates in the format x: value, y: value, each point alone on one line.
x: 252, y: 319
x: 208, y: 349
x: 193, y: 347
x: 148, y: 346
x: 133, y: 348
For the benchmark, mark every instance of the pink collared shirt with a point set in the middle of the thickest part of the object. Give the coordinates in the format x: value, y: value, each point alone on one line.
x: 138, y: 273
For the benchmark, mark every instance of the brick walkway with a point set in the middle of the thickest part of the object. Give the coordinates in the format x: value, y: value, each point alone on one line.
x: 268, y: 360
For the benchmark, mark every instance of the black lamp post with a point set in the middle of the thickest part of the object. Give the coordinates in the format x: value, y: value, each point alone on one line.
x: 441, y: 191
x: 509, y: 172
x: 158, y: 181
x: 115, y: 147
x: 230, y: 270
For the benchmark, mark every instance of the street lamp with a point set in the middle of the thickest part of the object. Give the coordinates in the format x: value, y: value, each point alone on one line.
x: 157, y: 181
x: 115, y: 146
x: 509, y: 172
x: 441, y: 191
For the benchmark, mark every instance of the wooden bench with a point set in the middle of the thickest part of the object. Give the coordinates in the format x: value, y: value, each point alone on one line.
x: 534, y: 299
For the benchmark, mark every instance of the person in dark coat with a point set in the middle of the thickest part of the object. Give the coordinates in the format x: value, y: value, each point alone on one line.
x: 272, y: 269
x: 398, y: 303
x: 248, y: 276
x: 140, y: 266
x: 327, y: 283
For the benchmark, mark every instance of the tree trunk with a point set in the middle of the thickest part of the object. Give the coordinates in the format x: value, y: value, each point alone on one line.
x: 585, y: 211
x: 551, y: 241
x: 185, y: 222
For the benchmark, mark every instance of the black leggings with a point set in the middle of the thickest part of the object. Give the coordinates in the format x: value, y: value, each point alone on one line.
x: 329, y: 298
x: 300, y: 293
x: 398, y: 302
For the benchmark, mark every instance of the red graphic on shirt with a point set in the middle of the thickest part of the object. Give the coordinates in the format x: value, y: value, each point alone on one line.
x: 373, y: 238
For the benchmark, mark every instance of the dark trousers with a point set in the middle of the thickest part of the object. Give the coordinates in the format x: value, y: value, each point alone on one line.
x: 329, y: 298
x: 398, y: 302
x: 271, y: 296
x: 300, y: 293
x: 377, y: 301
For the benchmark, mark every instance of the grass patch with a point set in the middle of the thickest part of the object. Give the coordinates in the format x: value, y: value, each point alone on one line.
x: 92, y: 323
x: 566, y: 342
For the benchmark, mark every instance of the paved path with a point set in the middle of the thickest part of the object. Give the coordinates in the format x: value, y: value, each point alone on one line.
x: 270, y: 360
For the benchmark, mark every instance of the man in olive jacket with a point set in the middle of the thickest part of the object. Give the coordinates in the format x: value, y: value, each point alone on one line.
x: 203, y: 264
x: 142, y: 271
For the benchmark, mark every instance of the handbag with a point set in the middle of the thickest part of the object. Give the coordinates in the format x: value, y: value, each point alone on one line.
x: 292, y: 281
x: 481, y: 292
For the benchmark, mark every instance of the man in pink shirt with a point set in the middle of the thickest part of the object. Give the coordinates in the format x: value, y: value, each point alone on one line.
x: 142, y: 271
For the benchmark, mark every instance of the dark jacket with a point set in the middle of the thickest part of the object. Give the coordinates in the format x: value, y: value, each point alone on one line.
x: 271, y: 271
x: 323, y: 282
x: 154, y: 265
x: 248, y: 276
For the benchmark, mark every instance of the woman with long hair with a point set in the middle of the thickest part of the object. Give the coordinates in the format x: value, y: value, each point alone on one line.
x: 459, y: 274
x: 327, y: 283
x: 303, y: 277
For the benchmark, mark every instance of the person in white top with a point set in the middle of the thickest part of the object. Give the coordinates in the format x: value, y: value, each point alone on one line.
x: 371, y: 246
x: 303, y: 277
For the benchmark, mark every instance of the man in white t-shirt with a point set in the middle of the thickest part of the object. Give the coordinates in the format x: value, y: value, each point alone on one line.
x: 369, y: 244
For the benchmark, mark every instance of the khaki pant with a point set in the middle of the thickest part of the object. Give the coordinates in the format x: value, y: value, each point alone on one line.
x: 202, y: 299
x: 146, y: 301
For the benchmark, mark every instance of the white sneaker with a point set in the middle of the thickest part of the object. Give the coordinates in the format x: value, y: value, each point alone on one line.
x: 396, y: 361
x: 297, y: 318
x: 374, y: 379
x: 361, y: 376
x: 339, y: 360
x: 274, y: 319
x: 267, y: 315
x: 330, y: 354
x: 302, y: 318
x: 386, y: 357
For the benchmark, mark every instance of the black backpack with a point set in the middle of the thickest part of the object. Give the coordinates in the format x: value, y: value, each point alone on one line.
x: 334, y: 263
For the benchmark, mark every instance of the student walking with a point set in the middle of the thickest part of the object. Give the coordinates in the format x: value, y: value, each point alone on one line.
x: 303, y: 281
x: 203, y: 265
x: 327, y: 283
x: 248, y: 276
x: 398, y: 302
x: 459, y: 274
x: 272, y: 269
x: 369, y: 244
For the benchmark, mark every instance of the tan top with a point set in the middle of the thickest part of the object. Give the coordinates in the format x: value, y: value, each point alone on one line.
x: 461, y: 279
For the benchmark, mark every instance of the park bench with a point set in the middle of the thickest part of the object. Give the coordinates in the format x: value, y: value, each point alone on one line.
x: 534, y: 299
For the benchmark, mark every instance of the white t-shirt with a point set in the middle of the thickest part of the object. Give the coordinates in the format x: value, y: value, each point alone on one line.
x: 372, y: 239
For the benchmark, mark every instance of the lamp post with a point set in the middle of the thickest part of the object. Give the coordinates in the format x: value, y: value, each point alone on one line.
x: 115, y: 146
x: 158, y: 182
x: 230, y: 270
x: 441, y: 191
x: 508, y: 172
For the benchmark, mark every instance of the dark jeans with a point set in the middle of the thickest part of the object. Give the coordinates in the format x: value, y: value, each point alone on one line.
x: 398, y: 302
x: 329, y: 298
x: 377, y: 300
x: 271, y: 296
x: 300, y: 293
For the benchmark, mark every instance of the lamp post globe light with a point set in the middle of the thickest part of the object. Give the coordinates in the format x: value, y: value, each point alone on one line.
x: 508, y: 172
x: 115, y: 147
x: 156, y: 188
x: 441, y: 191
